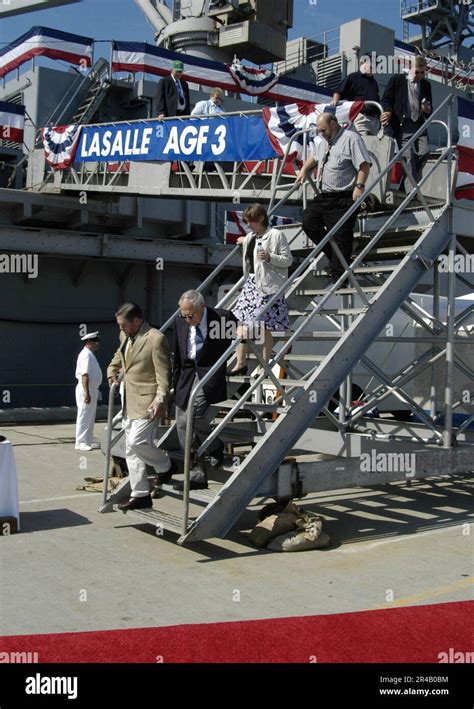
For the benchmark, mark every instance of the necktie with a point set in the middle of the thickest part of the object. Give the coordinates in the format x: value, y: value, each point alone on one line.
x: 321, y: 168
x: 199, y: 341
x: 128, y: 353
x: 179, y: 89
x: 414, y: 95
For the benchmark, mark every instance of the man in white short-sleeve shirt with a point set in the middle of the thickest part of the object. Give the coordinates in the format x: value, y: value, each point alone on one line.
x: 343, y: 166
x: 89, y: 379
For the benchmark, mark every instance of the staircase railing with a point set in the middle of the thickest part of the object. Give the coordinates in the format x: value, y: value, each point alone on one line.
x: 69, y: 99
x: 303, y: 270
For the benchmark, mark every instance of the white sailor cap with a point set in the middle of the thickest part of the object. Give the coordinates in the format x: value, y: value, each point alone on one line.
x: 90, y: 336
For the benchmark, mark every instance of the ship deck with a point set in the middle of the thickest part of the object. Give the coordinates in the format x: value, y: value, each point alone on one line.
x: 408, y: 540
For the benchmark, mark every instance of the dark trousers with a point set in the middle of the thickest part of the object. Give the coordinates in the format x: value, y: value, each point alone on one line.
x: 202, y: 416
x: 319, y: 218
x: 418, y: 154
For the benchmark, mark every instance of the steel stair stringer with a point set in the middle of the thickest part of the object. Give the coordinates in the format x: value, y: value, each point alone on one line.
x: 223, y: 512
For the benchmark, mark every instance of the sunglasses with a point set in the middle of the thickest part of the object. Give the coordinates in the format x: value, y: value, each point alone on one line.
x: 187, y: 317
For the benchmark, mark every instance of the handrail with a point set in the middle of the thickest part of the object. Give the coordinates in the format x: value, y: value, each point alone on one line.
x: 173, y: 118
x: 302, y: 267
x: 75, y: 89
x: 110, y: 420
x: 330, y: 292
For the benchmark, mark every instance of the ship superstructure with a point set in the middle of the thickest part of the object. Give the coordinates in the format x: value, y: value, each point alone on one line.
x: 102, y: 228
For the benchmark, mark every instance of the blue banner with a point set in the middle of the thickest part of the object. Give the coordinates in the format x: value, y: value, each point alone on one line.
x: 231, y: 138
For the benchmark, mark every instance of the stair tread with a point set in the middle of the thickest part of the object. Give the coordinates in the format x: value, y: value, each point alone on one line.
x: 318, y: 334
x: 375, y: 269
x: 284, y: 382
x: 339, y: 291
x: 405, y: 248
x: 328, y: 311
x: 199, y: 495
x: 298, y: 357
x: 157, y: 517
x: 247, y: 406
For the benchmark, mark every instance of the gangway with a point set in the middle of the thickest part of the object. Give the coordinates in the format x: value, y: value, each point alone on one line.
x: 399, y: 249
x: 83, y: 98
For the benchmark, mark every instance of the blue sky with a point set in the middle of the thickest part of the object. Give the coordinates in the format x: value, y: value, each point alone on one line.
x: 122, y: 19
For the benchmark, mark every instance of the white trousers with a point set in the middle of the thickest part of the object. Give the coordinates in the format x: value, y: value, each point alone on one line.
x: 141, y: 451
x: 85, y: 416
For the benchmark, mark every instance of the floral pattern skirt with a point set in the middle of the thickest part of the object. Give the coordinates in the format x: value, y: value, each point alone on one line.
x: 251, y: 302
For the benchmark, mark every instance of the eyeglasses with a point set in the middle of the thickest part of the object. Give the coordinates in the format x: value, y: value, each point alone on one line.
x: 187, y: 317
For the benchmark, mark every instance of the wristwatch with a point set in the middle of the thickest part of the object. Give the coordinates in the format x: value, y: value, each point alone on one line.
x: 360, y: 185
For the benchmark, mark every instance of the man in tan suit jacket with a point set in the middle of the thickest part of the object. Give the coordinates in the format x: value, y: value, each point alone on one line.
x: 144, y: 358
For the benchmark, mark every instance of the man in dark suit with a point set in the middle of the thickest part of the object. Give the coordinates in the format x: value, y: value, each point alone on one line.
x: 173, y: 94
x: 202, y: 336
x: 406, y: 102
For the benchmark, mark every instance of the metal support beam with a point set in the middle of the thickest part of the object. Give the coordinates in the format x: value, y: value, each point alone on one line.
x: 449, y: 382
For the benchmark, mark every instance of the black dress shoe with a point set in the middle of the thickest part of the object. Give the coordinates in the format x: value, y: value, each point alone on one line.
x: 136, y: 503
x: 163, y: 478
x: 193, y: 485
x: 241, y: 372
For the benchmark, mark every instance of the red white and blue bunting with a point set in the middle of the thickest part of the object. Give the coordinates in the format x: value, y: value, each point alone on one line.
x: 465, y: 177
x: 60, y: 145
x: 283, y: 122
x: 12, y: 122
x: 72, y: 48
x: 142, y: 57
x: 253, y: 81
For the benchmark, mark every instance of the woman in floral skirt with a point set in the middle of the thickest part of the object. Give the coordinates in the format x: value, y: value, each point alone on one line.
x: 266, y: 259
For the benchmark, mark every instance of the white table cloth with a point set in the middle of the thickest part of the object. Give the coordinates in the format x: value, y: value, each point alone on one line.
x: 8, y: 483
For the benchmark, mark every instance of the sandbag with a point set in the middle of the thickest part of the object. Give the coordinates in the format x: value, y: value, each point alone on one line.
x: 297, y: 541
x: 307, y: 535
x: 274, y: 525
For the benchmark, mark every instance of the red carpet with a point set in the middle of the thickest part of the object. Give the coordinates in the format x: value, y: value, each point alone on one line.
x: 410, y: 634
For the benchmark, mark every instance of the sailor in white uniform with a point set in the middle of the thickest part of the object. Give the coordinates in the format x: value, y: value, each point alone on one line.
x: 89, y: 379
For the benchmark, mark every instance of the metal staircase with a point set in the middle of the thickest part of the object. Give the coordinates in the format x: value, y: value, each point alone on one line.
x: 316, y: 390
x: 83, y: 98
x: 397, y: 250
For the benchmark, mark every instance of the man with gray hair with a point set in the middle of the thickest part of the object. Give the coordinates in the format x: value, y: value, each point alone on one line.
x: 202, y: 335
x: 343, y: 168
x: 143, y: 357
x: 407, y: 103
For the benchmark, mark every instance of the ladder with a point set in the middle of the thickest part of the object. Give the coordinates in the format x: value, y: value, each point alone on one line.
x: 83, y: 98
x: 397, y: 249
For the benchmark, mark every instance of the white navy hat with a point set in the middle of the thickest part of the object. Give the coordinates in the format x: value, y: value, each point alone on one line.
x: 90, y: 336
